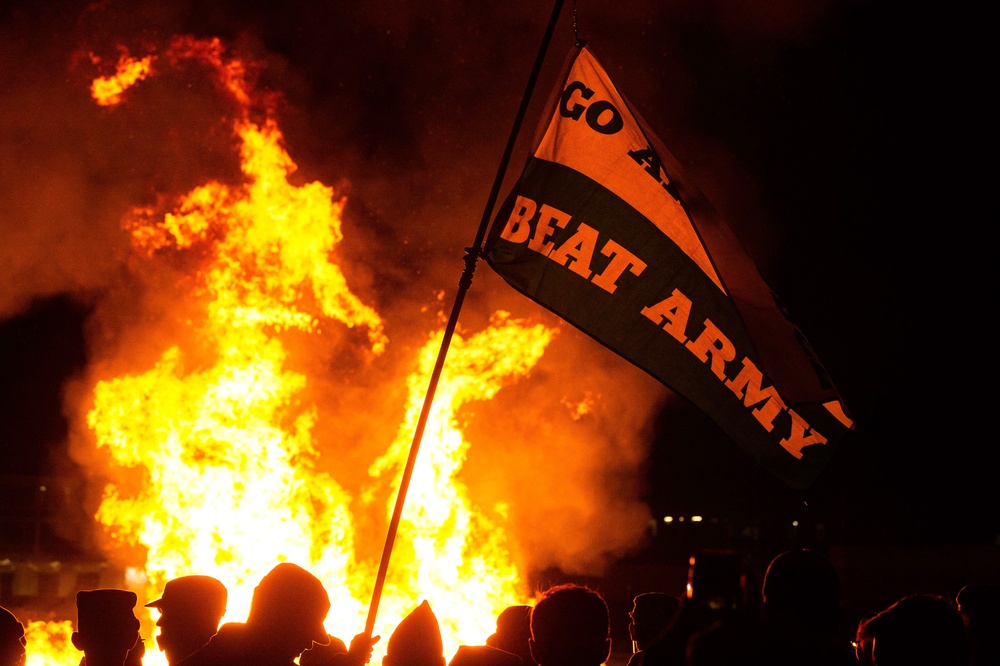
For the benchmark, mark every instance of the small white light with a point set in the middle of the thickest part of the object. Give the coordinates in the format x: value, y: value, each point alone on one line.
x: 668, y: 519
x: 136, y: 577
x: 696, y: 519
x: 795, y: 523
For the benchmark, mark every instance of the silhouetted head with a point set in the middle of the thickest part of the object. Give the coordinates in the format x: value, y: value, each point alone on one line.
x: 11, y: 639
x: 191, y: 608
x: 483, y: 655
x: 513, y: 632
x: 570, y: 625
x: 416, y: 641
x: 651, y: 614
x: 288, y: 608
x: 802, y: 587
x: 980, y: 608
x: 918, y: 630
x: 135, y: 655
x: 106, y: 625
x: 980, y: 603
x: 322, y: 655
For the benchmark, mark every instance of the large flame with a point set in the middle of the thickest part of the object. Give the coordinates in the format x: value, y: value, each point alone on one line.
x: 214, y: 444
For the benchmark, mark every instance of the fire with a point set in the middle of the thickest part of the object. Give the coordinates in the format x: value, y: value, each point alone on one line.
x: 107, y: 90
x: 48, y: 644
x: 453, y: 548
x: 213, y: 445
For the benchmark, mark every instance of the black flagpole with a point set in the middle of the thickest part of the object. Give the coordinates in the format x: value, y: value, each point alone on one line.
x: 464, y: 283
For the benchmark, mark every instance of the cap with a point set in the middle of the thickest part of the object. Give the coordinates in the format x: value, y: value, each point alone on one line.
x: 513, y: 627
x: 193, y: 594
x: 97, y: 609
x: 290, y: 595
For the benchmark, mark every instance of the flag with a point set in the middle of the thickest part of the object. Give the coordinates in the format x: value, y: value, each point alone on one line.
x: 604, y: 229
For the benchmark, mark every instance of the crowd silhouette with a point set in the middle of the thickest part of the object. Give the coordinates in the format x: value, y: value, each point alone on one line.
x: 723, y: 619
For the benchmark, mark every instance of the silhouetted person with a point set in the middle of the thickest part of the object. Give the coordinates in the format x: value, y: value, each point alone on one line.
x: 717, y: 601
x: 286, y: 617
x: 513, y: 633
x: 191, y: 608
x: 483, y: 655
x: 651, y: 614
x: 801, y: 613
x: 416, y: 640
x: 322, y: 655
x: 336, y: 653
x: 134, y: 656
x: 980, y: 608
x: 12, y: 641
x: 570, y: 626
x: 107, y: 628
x: 918, y: 630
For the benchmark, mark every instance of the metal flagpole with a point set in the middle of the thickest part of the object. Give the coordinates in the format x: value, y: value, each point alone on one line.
x: 465, y: 282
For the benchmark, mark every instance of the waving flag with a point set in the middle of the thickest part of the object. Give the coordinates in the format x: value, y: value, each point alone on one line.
x: 604, y: 229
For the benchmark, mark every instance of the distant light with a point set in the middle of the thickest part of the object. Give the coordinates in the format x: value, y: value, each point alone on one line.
x: 795, y: 523
x: 136, y: 577
x: 668, y: 519
x: 696, y: 519
x: 42, y: 488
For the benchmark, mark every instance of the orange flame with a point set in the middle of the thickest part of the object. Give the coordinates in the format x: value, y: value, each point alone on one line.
x: 107, y: 90
x: 215, y: 441
x: 451, y: 547
x: 48, y: 644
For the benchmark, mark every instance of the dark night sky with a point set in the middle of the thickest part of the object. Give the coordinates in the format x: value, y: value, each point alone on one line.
x: 821, y: 129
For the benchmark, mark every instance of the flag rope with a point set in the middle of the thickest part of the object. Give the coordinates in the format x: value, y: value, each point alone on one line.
x: 472, y: 255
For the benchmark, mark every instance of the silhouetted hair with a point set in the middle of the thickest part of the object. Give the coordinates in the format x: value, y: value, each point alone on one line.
x: 11, y: 634
x: 802, y: 585
x: 570, y: 623
x: 651, y: 614
x: 289, y: 595
x: 919, y: 630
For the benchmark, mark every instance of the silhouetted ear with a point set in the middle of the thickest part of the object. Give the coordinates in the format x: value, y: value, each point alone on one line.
x: 77, y: 643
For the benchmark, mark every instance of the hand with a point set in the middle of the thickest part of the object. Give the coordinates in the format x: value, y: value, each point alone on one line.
x: 360, y: 651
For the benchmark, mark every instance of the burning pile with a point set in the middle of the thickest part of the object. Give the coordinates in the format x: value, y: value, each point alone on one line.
x: 213, y: 445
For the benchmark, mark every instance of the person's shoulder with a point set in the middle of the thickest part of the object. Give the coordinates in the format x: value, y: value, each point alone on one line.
x: 224, y: 649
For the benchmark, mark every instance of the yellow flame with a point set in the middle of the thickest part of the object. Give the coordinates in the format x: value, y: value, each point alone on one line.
x: 107, y: 90
x: 456, y: 554
x: 48, y: 644
x: 213, y: 446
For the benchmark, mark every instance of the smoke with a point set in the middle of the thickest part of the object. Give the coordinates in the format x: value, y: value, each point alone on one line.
x: 405, y: 110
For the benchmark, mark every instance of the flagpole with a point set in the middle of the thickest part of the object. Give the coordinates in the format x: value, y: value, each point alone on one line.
x: 465, y: 282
